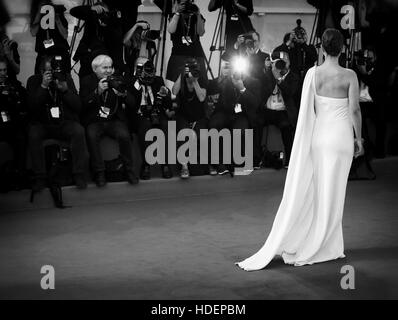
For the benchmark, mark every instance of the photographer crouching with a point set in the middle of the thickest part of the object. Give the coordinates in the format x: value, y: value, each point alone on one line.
x: 152, y: 109
x: 105, y: 99
x: 13, y: 120
x: 54, y: 109
x: 239, y: 98
x: 191, y: 92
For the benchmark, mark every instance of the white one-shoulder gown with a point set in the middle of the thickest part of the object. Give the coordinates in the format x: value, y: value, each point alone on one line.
x: 308, y: 225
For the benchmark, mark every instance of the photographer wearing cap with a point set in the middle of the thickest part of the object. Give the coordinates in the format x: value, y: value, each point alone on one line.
x: 54, y: 109
x: 186, y: 27
x: 190, y: 89
x: 152, y: 109
x: 9, y: 52
x: 239, y: 99
x: 13, y: 118
x: 279, y: 107
x: 49, y: 42
x: 238, y: 21
x: 103, y: 35
x: 105, y: 99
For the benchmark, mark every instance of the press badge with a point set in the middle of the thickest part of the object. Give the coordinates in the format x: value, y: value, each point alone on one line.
x: 104, y: 112
x: 234, y: 17
x: 4, y: 116
x: 238, y: 108
x: 54, y: 112
x: 187, y: 41
x: 48, y: 43
x: 137, y: 85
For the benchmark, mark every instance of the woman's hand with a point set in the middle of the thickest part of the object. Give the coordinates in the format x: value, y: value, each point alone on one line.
x: 358, y: 148
x: 98, y: 8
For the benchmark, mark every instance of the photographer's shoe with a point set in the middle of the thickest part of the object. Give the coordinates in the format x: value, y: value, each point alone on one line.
x: 166, y: 172
x: 80, y: 181
x: 222, y: 170
x: 132, y: 177
x: 145, y: 173
x: 184, y: 174
x: 212, y: 171
x: 100, y: 179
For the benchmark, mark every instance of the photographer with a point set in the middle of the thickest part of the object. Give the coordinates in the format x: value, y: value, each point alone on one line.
x: 9, y: 52
x: 105, y: 100
x: 239, y: 99
x: 249, y: 45
x: 279, y: 106
x: 152, y: 108
x: 186, y: 27
x: 54, y: 108
x: 191, y: 92
x: 49, y: 42
x: 13, y: 117
x: 238, y: 21
x: 103, y: 35
x: 139, y: 41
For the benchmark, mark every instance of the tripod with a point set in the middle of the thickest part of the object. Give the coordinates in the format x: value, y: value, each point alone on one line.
x: 77, y: 29
x: 217, y: 37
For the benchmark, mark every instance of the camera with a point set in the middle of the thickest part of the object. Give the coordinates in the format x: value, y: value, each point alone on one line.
x: 362, y: 58
x: 106, y: 17
x: 190, y: 8
x: 146, y: 73
x: 192, y: 66
x: 58, y: 68
x: 117, y: 82
x: 10, y: 43
x: 150, y: 35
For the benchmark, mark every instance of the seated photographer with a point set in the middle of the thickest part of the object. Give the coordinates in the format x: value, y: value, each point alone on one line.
x: 49, y: 41
x: 13, y: 119
x: 105, y: 98
x: 249, y: 45
x: 191, y: 92
x: 139, y: 41
x: 54, y: 107
x: 186, y: 27
x: 279, y: 107
x: 239, y: 99
x: 103, y: 35
x: 9, y: 52
x: 238, y: 21
x: 152, y: 108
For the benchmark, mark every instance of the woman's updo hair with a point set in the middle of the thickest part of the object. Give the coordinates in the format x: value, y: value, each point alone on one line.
x: 332, y: 42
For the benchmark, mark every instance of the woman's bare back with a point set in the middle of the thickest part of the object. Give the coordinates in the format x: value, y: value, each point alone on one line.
x: 332, y: 81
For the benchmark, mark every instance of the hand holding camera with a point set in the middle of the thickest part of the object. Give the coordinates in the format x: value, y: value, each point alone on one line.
x: 238, y: 83
x: 103, y: 85
x: 99, y: 8
x: 47, y: 79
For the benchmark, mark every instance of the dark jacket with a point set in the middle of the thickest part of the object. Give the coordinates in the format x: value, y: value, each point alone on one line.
x: 92, y: 102
x: 257, y: 64
x: 98, y: 39
x: 137, y: 94
x: 13, y: 102
x: 230, y: 96
x: 289, y: 88
x: 40, y: 100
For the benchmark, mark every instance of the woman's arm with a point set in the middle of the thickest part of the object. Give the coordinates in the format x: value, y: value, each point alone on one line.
x: 129, y: 34
x: 200, y: 93
x: 177, y: 86
x: 355, y: 112
x: 200, y: 25
x: 174, y: 23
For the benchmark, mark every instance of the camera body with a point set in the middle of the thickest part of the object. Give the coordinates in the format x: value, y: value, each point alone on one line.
x: 58, y: 68
x: 190, y: 8
x: 192, y: 66
x: 117, y: 82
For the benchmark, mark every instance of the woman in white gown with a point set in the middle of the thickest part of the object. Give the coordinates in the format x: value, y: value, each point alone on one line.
x: 308, y: 225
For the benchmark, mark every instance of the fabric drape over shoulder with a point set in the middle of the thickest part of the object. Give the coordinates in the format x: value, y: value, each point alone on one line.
x: 296, y: 205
